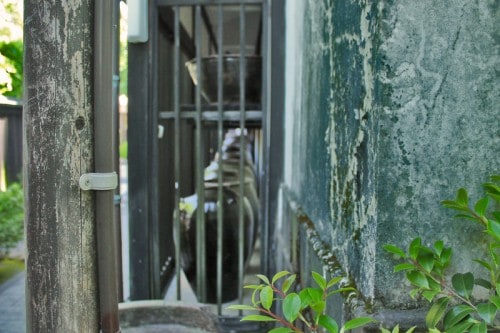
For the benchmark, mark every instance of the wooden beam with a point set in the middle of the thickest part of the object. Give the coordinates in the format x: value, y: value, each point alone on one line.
x: 61, y: 270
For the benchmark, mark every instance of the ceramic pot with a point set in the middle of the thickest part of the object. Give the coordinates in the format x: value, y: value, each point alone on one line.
x: 230, y: 241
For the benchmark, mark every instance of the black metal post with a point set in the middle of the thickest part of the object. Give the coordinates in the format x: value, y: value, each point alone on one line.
x: 104, y: 163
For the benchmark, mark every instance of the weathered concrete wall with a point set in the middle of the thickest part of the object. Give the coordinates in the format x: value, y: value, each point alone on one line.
x: 390, y: 107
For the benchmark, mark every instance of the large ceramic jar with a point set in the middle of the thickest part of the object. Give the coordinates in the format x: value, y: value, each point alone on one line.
x: 230, y: 241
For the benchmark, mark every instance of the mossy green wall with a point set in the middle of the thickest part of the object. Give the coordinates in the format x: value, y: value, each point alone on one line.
x: 390, y: 107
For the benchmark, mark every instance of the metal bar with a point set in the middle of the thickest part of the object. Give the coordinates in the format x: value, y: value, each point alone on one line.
x: 177, y: 142
x: 153, y: 151
x: 213, y: 116
x: 241, y: 214
x: 208, y: 26
x: 161, y: 3
x: 200, y: 218
x: 258, y: 42
x: 116, y: 137
x: 186, y: 42
x: 264, y: 193
x: 104, y: 162
x: 220, y: 135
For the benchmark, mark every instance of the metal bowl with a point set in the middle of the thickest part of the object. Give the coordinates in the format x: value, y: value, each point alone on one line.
x: 230, y: 78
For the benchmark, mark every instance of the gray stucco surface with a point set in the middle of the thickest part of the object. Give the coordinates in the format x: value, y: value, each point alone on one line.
x: 390, y: 107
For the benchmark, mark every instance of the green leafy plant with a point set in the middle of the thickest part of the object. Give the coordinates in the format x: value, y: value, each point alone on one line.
x: 453, y: 308
x: 11, y: 68
x: 396, y: 329
x: 11, y: 218
x: 306, y: 308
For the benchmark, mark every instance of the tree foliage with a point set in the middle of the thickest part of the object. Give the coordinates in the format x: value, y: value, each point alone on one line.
x: 11, y: 48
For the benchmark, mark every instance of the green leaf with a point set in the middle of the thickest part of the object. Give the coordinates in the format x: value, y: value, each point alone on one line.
x: 318, y: 307
x: 445, y: 257
x: 357, y: 322
x: 254, y: 296
x: 264, y: 279
x: 257, y: 318
x: 411, y: 329
x: 454, y: 205
x: 291, y: 306
x: 466, y: 216
x: 433, y: 285
x: 254, y: 286
x: 403, y: 267
x: 414, y: 292
x: 310, y: 296
x: 334, y: 281
x: 456, y: 315
x: 484, y: 264
x: 395, y: 250
x: 495, y: 178
x: 414, y: 248
x: 426, y: 260
x: 487, y: 312
x: 496, y: 216
x: 266, y: 297
x: 279, y: 275
x: 439, y: 246
x: 434, y: 330
x: 463, y: 284
x: 320, y: 280
x: 436, y: 312
x: 328, y: 323
x: 418, y: 279
x: 281, y: 330
x: 493, y: 229
x: 479, y: 328
x: 430, y: 294
x: 493, y: 255
x: 288, y: 283
x: 341, y: 290
x: 495, y: 300
x: 462, y: 197
x: 461, y: 327
x: 241, y: 307
x: 481, y: 206
x: 491, y: 189
x: 483, y: 283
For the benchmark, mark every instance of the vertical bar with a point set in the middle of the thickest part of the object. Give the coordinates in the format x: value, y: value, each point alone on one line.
x: 220, y: 135
x: 177, y: 234
x: 264, y: 193
x: 200, y: 217
x: 116, y: 143
x: 104, y: 162
x: 152, y: 178
x: 241, y: 216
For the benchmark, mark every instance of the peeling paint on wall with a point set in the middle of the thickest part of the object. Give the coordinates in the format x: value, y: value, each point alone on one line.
x: 390, y: 107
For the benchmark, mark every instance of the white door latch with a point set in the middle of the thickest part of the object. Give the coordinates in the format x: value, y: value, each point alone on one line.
x: 99, y: 181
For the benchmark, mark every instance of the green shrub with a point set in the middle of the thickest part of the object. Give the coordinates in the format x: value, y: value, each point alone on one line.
x: 11, y: 218
x: 453, y: 308
x: 306, y: 307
